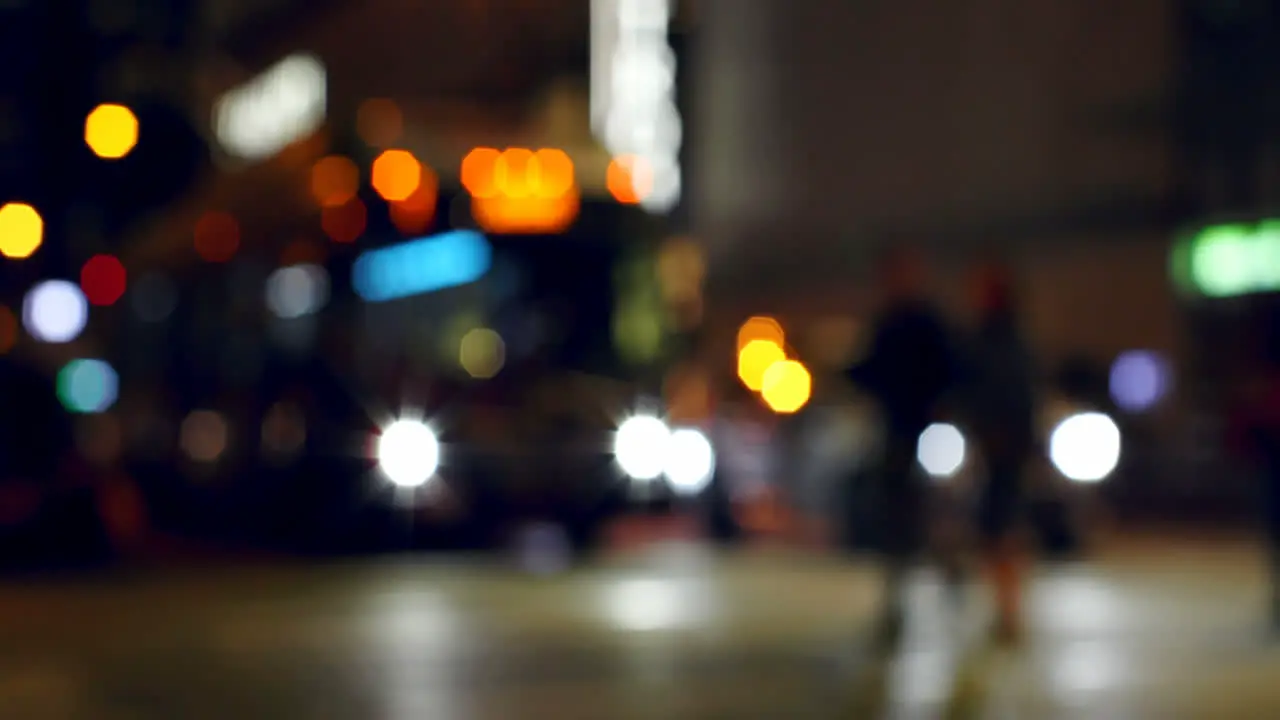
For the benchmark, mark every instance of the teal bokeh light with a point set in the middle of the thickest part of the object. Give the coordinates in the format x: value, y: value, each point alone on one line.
x: 88, y: 386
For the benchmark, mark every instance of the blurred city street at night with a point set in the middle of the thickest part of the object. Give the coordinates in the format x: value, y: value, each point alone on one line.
x: 1159, y: 628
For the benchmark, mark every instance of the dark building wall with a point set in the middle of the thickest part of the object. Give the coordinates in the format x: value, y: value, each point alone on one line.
x: 829, y: 121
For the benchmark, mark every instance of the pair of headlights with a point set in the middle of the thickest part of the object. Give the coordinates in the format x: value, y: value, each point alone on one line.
x: 646, y: 448
x: 1084, y: 447
x: 408, y: 453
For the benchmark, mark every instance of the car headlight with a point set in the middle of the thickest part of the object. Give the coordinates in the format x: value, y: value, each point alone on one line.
x: 640, y: 447
x: 1085, y: 447
x: 408, y: 453
x: 941, y: 450
x: 691, y: 461
x: 646, y: 449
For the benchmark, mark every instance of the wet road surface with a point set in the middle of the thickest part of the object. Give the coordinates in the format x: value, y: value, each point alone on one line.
x: 1167, y: 630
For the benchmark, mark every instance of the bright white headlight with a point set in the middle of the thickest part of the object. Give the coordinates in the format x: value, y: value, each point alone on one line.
x: 640, y: 447
x: 941, y: 450
x: 691, y: 461
x: 408, y: 453
x: 1085, y: 447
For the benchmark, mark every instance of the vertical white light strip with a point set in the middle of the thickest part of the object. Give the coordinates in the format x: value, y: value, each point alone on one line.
x: 633, y: 99
x: 604, y: 43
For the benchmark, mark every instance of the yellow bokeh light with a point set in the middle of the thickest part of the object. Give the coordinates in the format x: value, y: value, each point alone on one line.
x: 554, y: 174
x: 755, y: 359
x: 482, y: 353
x: 396, y: 175
x: 21, y: 231
x: 111, y: 131
x: 515, y: 174
x: 761, y: 327
x: 787, y: 386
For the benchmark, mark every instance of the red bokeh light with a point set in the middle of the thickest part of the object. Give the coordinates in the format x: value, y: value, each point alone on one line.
x: 344, y: 223
x: 217, y: 237
x: 103, y: 280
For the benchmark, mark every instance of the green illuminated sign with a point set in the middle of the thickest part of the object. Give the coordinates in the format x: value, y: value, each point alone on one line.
x: 1229, y: 260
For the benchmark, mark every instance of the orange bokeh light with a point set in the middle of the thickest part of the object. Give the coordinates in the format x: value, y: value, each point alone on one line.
x: 345, y: 223
x: 521, y: 191
x: 529, y: 215
x: 414, y: 214
x: 761, y: 327
x: 478, y: 172
x: 629, y: 179
x: 396, y: 175
x: 334, y: 180
x: 517, y: 173
x: 217, y: 236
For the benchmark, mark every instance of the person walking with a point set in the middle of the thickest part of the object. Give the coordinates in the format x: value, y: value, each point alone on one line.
x: 999, y: 406
x: 910, y: 367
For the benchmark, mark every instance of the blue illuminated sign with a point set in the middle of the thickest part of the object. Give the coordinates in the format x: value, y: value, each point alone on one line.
x: 422, y: 266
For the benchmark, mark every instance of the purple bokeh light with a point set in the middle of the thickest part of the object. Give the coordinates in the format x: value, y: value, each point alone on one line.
x: 1139, y: 380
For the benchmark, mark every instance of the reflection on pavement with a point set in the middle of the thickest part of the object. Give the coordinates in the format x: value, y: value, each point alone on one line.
x: 641, y: 605
x: 649, y: 636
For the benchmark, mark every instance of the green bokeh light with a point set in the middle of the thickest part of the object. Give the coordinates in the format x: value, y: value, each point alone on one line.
x: 1230, y: 260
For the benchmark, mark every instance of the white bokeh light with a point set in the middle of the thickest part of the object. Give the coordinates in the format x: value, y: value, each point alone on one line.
x: 296, y: 291
x: 633, y: 98
x: 640, y: 447
x: 55, y: 311
x: 941, y: 450
x: 408, y: 453
x: 284, y: 104
x: 1085, y: 447
x: 690, y: 461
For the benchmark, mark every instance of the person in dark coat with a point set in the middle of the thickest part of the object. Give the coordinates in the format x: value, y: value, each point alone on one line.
x: 909, y: 369
x: 1000, y: 409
